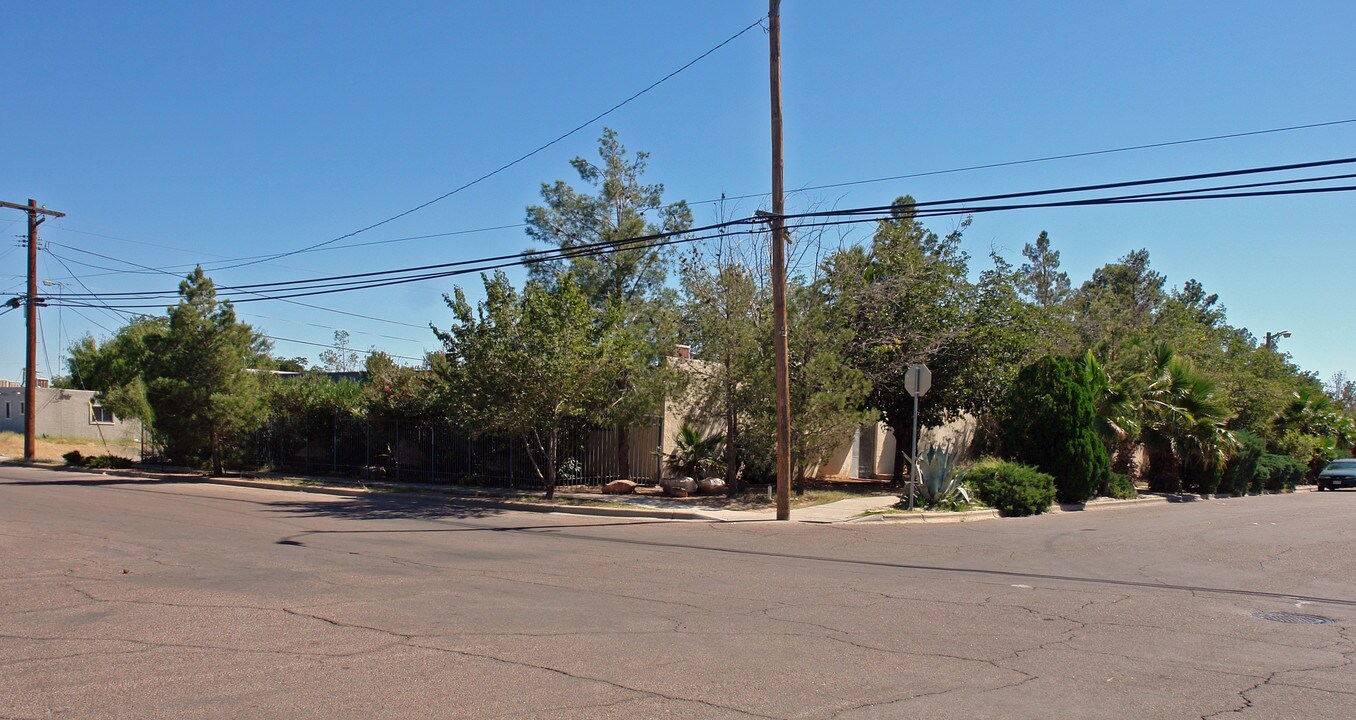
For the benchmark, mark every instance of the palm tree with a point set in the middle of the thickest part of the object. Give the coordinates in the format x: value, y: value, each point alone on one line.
x: 1185, y: 425
x: 693, y: 455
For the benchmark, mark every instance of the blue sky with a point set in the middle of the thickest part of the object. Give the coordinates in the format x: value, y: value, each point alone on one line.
x: 175, y: 133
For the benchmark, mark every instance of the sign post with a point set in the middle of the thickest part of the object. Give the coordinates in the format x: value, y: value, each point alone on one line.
x: 917, y: 380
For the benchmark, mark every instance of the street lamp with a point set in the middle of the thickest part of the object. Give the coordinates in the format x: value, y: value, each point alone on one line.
x: 1270, y: 344
x: 1272, y: 337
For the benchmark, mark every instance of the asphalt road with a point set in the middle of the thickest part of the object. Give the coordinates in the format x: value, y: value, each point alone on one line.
x: 124, y: 599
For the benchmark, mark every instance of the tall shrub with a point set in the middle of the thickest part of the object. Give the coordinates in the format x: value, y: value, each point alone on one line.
x: 1280, y: 472
x: 1050, y: 423
x: 1242, y: 467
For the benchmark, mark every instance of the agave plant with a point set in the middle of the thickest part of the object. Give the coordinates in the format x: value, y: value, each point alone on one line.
x: 940, y: 473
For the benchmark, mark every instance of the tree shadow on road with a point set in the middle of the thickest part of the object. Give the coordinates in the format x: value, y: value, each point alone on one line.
x: 384, y: 507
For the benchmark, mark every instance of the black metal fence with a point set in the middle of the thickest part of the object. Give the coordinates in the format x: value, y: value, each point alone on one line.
x: 406, y: 451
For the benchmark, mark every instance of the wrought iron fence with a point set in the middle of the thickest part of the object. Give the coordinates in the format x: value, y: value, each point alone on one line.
x: 405, y: 451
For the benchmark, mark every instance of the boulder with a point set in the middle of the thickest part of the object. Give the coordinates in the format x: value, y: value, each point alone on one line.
x: 678, y: 486
x: 372, y: 472
x: 711, y: 486
x: 619, y: 487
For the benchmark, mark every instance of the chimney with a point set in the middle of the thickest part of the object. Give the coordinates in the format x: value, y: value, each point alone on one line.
x: 683, y: 351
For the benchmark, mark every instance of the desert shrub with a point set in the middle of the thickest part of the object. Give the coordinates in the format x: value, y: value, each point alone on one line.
x: 1049, y: 422
x: 1012, y: 488
x: 1280, y: 472
x: 74, y: 458
x: 1122, y: 487
x: 1241, y: 469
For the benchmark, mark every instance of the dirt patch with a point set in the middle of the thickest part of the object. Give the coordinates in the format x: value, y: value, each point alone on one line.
x: 52, y: 448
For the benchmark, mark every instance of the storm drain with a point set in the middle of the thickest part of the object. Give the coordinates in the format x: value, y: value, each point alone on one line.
x: 1296, y: 618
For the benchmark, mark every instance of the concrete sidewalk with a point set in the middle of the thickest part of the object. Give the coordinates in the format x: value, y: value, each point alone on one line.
x: 834, y: 512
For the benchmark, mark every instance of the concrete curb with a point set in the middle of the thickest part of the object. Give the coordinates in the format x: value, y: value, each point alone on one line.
x: 929, y: 517
x: 1098, y: 505
x: 990, y: 514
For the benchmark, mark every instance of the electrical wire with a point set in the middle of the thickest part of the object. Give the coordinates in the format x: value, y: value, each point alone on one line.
x: 262, y: 297
x: 1091, y: 188
x: 512, y: 163
x: 266, y: 335
x: 357, y: 281
x: 1048, y: 158
x: 534, y: 255
x: 111, y: 310
x: 853, y: 219
x: 348, y: 287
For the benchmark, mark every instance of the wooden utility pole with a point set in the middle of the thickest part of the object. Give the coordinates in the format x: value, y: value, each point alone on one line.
x: 774, y: 31
x: 31, y: 315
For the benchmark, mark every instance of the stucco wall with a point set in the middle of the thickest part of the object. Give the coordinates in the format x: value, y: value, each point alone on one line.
x: 63, y: 413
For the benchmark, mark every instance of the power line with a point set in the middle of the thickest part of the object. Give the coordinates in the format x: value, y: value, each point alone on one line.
x: 853, y: 219
x: 855, y: 216
x: 599, y: 249
x: 1098, y: 186
x: 265, y: 335
x: 261, y: 296
x: 358, y: 281
x: 327, y: 246
x: 331, y: 346
x: 520, y: 159
x: 1046, y: 158
x: 111, y: 310
x: 535, y: 256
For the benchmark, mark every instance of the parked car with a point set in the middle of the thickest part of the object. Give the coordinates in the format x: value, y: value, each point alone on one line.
x: 1338, y: 473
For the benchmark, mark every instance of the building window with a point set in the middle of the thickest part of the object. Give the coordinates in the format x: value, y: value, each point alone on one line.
x: 99, y: 415
x: 6, y: 409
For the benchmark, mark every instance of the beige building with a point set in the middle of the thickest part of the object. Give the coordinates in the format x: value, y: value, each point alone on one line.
x: 66, y: 413
x: 869, y: 453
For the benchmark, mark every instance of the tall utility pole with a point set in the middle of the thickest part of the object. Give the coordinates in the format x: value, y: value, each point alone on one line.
x: 774, y: 31
x: 31, y: 315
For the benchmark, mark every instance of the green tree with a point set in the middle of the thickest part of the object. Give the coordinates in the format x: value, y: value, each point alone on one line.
x: 528, y: 365
x: 1342, y: 390
x: 1050, y: 423
x: 1116, y: 412
x: 198, y: 383
x: 117, y: 367
x: 908, y: 299
x: 1041, y: 279
x: 339, y: 358
x: 1184, y: 425
x: 628, y: 279
x: 1114, y: 311
x: 828, y: 395
x: 394, y: 391
x: 721, y: 311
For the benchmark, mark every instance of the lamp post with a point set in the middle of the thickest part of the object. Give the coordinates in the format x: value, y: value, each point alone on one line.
x: 1272, y: 337
x: 1270, y: 344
